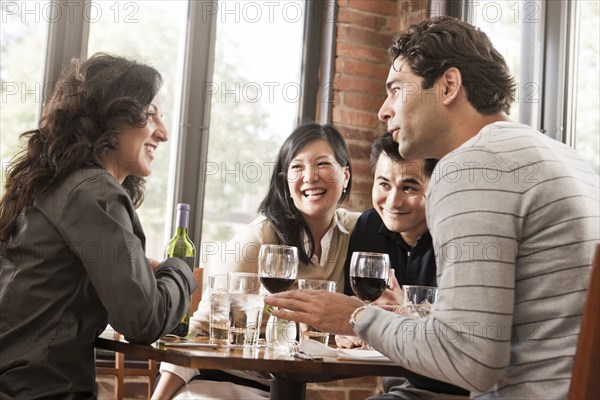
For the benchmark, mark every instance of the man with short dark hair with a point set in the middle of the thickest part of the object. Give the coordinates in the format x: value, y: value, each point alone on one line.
x: 396, y: 226
x: 514, y: 215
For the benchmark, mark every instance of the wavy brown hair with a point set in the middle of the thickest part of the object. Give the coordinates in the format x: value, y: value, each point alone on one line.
x: 434, y: 45
x: 78, y: 126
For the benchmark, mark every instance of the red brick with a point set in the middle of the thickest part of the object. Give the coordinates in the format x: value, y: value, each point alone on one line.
x: 360, y: 394
x: 370, y: 381
x: 325, y: 394
x: 368, y: 36
x: 360, y: 150
x: 354, y: 118
x: 412, y: 12
x: 359, y: 202
x: 364, y: 103
x: 362, y: 52
x: 361, y: 168
x: 359, y: 187
x: 346, y: 84
x: 357, y: 18
x: 364, y: 68
x: 359, y: 134
x: 382, y: 7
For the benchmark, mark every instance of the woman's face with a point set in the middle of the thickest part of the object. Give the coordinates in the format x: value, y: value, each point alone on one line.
x: 137, y: 146
x: 316, y: 180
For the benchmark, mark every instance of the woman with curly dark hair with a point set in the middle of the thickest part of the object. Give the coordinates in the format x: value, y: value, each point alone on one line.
x: 71, y: 245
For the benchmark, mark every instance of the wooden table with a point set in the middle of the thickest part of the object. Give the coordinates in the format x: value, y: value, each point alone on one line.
x: 289, y: 374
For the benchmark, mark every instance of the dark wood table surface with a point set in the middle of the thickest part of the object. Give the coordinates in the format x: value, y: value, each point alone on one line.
x: 289, y: 374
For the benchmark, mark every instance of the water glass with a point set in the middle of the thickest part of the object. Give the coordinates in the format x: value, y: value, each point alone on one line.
x: 219, y: 309
x: 418, y: 300
x: 320, y: 334
x: 245, y: 308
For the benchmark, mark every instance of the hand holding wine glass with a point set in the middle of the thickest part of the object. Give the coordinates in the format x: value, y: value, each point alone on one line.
x: 369, y: 274
x: 277, y: 268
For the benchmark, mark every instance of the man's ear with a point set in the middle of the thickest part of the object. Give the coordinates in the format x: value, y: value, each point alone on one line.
x: 451, y: 81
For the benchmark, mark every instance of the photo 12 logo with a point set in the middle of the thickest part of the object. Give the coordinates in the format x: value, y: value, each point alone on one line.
x: 52, y: 12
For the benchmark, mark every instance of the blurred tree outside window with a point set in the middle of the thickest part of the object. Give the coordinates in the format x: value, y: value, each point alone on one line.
x: 151, y: 32
x: 587, y: 111
x: 255, y: 101
x: 22, y: 47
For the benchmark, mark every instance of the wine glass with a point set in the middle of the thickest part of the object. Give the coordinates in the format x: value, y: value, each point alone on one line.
x: 277, y: 268
x: 369, y: 274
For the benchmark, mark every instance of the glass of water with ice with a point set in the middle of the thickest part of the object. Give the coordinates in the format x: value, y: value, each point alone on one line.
x: 219, y: 309
x: 245, y: 308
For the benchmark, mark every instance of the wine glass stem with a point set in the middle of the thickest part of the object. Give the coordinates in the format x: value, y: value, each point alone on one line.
x: 365, y: 345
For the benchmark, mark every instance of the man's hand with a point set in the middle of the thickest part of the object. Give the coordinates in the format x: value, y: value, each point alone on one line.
x: 326, y: 311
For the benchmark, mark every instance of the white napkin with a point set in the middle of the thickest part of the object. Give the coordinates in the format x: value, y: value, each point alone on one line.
x: 315, y: 348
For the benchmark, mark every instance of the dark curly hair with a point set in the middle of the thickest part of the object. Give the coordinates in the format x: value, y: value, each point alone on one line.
x: 78, y: 126
x: 434, y: 45
x: 278, y: 206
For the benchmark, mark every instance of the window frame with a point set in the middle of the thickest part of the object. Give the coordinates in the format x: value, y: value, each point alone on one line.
x: 69, y: 39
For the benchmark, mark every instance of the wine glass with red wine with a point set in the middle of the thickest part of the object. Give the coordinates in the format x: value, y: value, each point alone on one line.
x: 369, y: 274
x: 277, y: 268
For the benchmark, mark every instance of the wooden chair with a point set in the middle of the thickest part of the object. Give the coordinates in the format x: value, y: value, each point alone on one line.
x: 122, y: 368
x: 584, y: 381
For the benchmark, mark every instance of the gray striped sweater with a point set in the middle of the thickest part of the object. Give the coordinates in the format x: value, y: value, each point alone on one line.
x: 514, y: 217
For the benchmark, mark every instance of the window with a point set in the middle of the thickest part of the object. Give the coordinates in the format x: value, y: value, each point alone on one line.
x: 255, y: 98
x: 552, y: 49
x: 23, y: 36
x: 586, y: 136
x: 231, y: 94
x: 152, y: 32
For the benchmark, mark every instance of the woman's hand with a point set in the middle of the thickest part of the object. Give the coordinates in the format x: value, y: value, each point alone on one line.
x: 348, y: 342
x: 153, y: 264
x: 393, y: 296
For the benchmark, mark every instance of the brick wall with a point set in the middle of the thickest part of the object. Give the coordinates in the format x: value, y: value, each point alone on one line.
x: 365, y: 29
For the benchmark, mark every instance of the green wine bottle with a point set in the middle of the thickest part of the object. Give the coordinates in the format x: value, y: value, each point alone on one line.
x: 182, y: 247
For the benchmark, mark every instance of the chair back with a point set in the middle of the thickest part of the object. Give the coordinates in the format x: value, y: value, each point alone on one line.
x: 585, y: 383
x: 197, y: 295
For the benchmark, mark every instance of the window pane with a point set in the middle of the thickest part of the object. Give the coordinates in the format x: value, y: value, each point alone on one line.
x: 255, y: 99
x: 23, y: 34
x: 152, y: 32
x: 587, y: 122
x: 502, y: 22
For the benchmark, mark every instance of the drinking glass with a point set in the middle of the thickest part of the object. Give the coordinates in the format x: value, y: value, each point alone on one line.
x: 418, y: 300
x: 278, y: 267
x: 369, y: 275
x: 311, y: 332
x: 219, y: 309
x: 245, y: 308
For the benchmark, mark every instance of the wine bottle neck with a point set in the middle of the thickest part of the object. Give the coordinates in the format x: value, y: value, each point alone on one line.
x: 183, y: 219
x: 181, y: 231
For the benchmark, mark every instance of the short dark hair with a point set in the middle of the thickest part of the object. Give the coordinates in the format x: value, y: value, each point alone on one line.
x: 278, y: 206
x: 385, y: 144
x: 434, y: 45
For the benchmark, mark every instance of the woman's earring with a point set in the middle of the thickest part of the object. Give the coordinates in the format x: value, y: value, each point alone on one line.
x: 344, y: 191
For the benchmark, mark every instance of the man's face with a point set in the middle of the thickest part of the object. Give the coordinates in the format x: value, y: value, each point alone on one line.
x: 399, y: 196
x: 414, y: 115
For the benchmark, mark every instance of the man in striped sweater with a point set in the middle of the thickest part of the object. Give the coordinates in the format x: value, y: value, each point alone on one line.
x: 514, y: 217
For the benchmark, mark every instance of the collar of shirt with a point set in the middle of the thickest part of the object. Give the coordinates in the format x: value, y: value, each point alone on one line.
x: 326, y: 241
x: 396, y: 237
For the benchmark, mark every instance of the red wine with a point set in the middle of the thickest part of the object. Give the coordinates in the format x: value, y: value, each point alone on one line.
x: 276, y: 285
x: 368, y: 289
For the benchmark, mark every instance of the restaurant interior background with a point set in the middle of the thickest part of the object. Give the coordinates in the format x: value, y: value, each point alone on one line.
x: 240, y: 74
